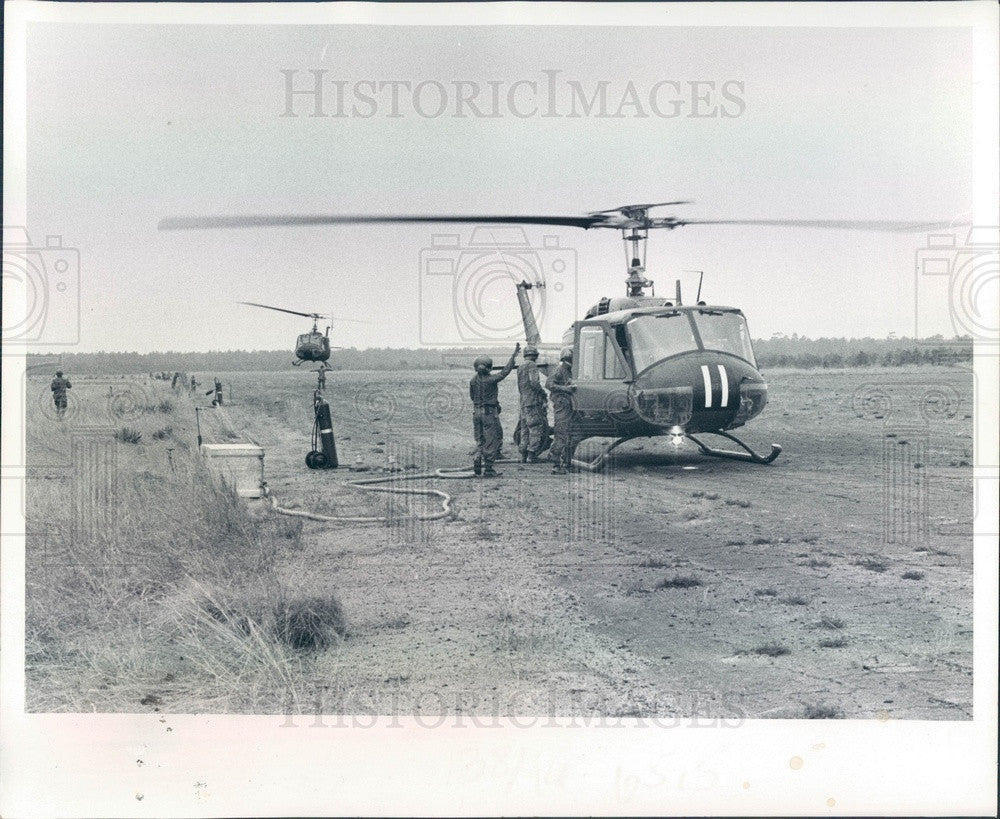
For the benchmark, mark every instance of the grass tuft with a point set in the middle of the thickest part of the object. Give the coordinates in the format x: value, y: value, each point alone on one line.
x: 679, y: 581
x: 822, y: 711
x: 656, y: 563
x: 833, y: 642
x: 873, y: 564
x: 771, y: 649
x: 128, y: 435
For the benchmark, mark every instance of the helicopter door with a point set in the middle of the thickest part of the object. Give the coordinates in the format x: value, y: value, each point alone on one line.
x: 601, y: 375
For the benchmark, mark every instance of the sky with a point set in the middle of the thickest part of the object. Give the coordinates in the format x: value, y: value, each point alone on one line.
x: 128, y: 124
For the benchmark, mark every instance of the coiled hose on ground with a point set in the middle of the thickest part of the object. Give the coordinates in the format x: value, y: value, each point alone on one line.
x: 371, y: 485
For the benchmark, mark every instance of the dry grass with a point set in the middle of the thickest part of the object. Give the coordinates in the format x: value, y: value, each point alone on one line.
x: 821, y: 710
x: 771, y: 649
x: 679, y: 581
x: 873, y: 564
x: 833, y: 642
x: 656, y: 563
x: 174, y: 601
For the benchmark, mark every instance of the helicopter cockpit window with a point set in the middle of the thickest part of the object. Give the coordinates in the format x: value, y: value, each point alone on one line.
x: 591, y: 354
x: 726, y: 332
x: 654, y: 338
x: 598, y: 358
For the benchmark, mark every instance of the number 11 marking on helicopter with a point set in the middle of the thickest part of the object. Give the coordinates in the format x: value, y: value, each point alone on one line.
x: 706, y: 376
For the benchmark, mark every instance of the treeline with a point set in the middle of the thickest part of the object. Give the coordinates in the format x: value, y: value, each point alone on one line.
x: 831, y: 353
x: 105, y: 363
x: 777, y: 351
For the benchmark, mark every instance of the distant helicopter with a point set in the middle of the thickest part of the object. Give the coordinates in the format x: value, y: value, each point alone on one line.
x: 643, y: 366
x: 311, y: 346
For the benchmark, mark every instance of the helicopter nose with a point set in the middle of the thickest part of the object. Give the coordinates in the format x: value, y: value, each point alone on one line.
x: 706, y: 391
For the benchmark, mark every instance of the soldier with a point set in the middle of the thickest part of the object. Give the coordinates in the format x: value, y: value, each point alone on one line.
x: 321, y: 377
x: 560, y: 386
x: 194, y: 384
x: 217, y: 389
x: 59, y: 387
x: 533, y: 422
x: 486, y: 412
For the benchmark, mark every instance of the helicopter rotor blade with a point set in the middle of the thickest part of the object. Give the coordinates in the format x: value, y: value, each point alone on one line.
x: 315, y: 316
x: 832, y: 224
x: 626, y: 217
x: 281, y: 309
x: 287, y: 220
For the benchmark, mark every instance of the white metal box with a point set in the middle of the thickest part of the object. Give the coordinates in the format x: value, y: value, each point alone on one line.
x: 240, y: 464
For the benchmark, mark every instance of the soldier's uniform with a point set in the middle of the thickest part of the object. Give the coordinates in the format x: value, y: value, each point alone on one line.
x: 560, y: 387
x: 486, y: 412
x: 59, y: 387
x: 532, y: 424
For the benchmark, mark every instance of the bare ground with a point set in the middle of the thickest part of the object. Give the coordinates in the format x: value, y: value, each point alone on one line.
x: 836, y: 582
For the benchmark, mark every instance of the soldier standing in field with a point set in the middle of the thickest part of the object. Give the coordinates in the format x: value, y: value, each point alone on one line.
x: 217, y: 389
x: 533, y: 422
x: 486, y: 412
x: 59, y: 387
x: 561, y: 388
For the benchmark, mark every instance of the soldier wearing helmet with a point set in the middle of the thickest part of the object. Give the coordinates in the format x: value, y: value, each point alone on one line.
x: 561, y: 387
x: 532, y: 425
x: 486, y: 412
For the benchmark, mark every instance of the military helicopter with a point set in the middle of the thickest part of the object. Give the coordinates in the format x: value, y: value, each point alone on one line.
x: 643, y: 365
x: 311, y: 346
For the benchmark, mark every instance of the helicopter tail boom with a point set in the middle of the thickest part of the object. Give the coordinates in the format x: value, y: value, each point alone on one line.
x: 531, y: 334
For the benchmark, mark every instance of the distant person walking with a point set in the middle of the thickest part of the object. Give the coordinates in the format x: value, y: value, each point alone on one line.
x: 194, y: 384
x: 486, y: 412
x: 561, y: 387
x: 532, y: 424
x: 217, y: 389
x: 59, y: 387
x: 321, y: 377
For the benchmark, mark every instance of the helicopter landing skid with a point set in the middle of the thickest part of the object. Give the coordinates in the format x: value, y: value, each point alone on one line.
x: 749, y: 455
x: 598, y: 462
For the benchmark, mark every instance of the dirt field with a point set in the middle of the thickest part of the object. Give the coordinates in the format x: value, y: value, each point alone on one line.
x: 836, y: 582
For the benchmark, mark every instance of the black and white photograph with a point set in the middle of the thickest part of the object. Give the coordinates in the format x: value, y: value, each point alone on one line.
x: 445, y: 409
